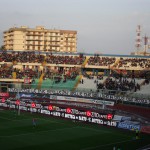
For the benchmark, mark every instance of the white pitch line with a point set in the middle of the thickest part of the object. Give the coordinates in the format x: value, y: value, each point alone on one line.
x: 36, y: 132
x: 90, y: 148
x: 7, y: 118
x: 144, y: 147
x: 31, y: 119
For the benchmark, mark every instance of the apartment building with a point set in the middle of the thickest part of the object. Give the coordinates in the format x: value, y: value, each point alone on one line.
x: 40, y: 39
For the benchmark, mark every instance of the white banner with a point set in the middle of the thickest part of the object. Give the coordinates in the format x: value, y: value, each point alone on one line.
x: 83, y: 100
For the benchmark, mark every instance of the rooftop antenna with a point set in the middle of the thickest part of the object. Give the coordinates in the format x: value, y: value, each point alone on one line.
x: 148, y: 43
x: 138, y: 38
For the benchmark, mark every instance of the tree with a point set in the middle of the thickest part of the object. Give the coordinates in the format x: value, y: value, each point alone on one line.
x: 2, y: 47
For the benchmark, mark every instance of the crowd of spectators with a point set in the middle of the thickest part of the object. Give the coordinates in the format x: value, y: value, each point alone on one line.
x: 134, y: 62
x: 6, y: 71
x: 6, y: 57
x: 54, y: 74
x: 89, y: 76
x: 101, y: 61
x: 71, y: 73
x: 69, y: 60
x: 115, y: 82
x: 61, y: 74
x: 24, y: 73
x: 121, y: 84
x: 22, y: 57
x: 32, y: 57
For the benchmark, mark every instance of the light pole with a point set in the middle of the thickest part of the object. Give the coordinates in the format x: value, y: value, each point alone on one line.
x: 18, y: 104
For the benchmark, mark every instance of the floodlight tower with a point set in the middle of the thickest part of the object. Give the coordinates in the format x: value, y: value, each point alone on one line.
x: 145, y: 43
x: 138, y: 38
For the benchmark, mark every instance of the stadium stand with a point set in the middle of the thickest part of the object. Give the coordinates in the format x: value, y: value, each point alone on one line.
x: 125, y: 75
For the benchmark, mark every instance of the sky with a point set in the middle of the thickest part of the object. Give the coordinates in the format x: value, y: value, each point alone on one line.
x: 103, y: 26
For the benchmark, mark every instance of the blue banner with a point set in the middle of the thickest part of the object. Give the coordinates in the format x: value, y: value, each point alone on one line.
x: 124, y: 125
x: 26, y: 95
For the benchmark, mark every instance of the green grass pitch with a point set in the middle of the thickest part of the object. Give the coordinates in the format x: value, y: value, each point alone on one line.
x: 18, y: 133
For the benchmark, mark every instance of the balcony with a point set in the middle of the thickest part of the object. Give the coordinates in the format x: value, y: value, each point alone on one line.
x: 52, y: 36
x: 34, y: 39
x: 34, y: 34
